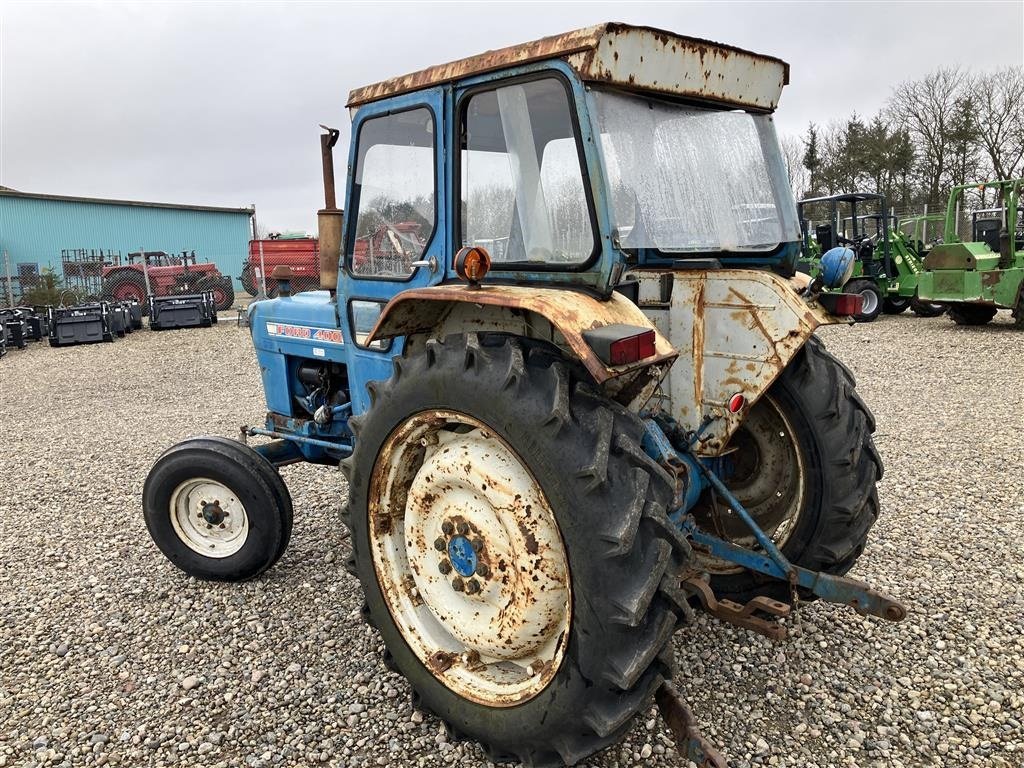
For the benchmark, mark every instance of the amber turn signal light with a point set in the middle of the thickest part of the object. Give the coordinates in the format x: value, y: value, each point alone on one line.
x: 471, y: 264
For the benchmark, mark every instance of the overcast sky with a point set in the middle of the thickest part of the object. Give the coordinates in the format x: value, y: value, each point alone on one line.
x: 218, y: 103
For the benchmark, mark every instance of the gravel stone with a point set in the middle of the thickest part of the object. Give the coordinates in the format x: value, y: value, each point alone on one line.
x: 99, y: 634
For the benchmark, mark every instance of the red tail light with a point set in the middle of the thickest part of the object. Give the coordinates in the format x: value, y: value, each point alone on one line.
x: 842, y: 304
x: 631, y: 348
x: 621, y: 344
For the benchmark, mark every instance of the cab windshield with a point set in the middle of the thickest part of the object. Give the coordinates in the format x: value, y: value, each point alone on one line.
x: 683, y: 179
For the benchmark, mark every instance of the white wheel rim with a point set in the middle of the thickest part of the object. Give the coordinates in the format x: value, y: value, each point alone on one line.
x: 208, y: 517
x: 870, y: 299
x: 452, y: 504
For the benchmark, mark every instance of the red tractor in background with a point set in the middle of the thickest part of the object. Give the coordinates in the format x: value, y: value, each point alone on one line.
x: 169, y: 275
x: 390, y: 244
x: 296, y: 250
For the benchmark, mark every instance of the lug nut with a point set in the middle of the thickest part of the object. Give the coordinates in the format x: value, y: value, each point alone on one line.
x: 478, y: 544
x: 462, y: 528
x: 439, y: 544
x: 472, y: 587
x: 448, y: 527
x: 457, y: 584
x: 444, y: 567
x: 483, y: 570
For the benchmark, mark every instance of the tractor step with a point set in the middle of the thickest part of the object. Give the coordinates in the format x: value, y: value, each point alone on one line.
x: 741, y: 615
x: 680, y: 720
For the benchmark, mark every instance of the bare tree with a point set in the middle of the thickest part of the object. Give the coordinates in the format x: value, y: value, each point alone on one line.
x: 793, y: 151
x: 999, y: 101
x: 927, y: 108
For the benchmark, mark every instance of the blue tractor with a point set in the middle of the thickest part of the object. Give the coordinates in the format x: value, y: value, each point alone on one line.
x: 568, y: 368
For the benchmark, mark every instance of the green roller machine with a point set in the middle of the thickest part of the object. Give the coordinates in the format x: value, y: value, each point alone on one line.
x: 978, y: 278
x: 888, y: 262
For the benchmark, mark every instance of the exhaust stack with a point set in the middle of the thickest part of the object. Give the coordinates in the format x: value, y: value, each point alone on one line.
x: 329, y: 219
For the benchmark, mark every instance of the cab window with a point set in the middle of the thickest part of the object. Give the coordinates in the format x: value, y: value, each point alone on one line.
x: 523, y: 195
x: 395, y: 193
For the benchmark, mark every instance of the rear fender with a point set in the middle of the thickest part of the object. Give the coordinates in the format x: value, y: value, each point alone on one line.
x: 556, y: 315
x: 736, y: 330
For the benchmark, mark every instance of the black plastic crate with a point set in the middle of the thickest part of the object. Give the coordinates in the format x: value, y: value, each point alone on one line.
x: 186, y: 311
x: 16, y: 327
x: 84, y: 324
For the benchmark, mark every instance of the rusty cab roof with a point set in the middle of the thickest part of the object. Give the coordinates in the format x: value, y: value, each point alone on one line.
x: 636, y: 58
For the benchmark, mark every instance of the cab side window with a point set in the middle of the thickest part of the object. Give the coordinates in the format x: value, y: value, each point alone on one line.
x: 395, y: 194
x: 523, y: 195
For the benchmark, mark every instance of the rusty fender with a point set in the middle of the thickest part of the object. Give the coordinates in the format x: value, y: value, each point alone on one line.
x: 736, y: 330
x: 455, y: 308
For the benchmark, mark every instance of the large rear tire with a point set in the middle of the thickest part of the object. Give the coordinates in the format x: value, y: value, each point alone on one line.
x: 806, y: 469
x: 221, y: 288
x: 971, y: 314
x: 598, y: 499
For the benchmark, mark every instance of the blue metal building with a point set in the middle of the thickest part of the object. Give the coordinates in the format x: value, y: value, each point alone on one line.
x: 35, y: 229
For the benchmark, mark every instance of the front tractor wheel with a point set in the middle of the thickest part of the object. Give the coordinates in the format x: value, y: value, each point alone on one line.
x: 895, y: 305
x: 972, y: 314
x: 804, y: 465
x: 217, y: 509
x: 511, y: 539
x: 871, y: 297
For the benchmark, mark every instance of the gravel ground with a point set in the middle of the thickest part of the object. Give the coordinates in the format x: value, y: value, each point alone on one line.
x: 108, y: 655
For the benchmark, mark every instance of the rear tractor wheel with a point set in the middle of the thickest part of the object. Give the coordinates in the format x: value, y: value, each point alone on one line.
x: 895, y: 305
x: 804, y: 465
x: 217, y: 509
x: 221, y: 288
x: 926, y: 308
x: 511, y: 540
x: 971, y: 314
x: 871, y: 296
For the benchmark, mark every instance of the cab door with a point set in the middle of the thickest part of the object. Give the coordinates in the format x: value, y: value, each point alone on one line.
x: 395, y: 223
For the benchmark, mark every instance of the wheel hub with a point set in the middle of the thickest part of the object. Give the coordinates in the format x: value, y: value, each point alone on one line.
x: 462, y: 556
x: 212, y: 513
x: 208, y: 517
x: 767, y: 476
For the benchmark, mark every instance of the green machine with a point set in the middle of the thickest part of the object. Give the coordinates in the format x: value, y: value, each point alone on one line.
x: 978, y: 278
x: 888, y: 261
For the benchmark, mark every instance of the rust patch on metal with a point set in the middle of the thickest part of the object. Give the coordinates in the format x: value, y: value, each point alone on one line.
x: 698, y: 343
x: 571, y: 313
x: 680, y: 720
x: 582, y: 49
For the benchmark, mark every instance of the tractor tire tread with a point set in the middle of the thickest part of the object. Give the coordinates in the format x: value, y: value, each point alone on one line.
x: 612, y: 668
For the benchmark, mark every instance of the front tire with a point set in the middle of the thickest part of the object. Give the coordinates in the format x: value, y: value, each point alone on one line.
x: 895, y: 305
x: 436, y: 443
x: 829, y: 481
x: 871, y: 296
x: 926, y: 308
x: 217, y: 509
x: 971, y: 314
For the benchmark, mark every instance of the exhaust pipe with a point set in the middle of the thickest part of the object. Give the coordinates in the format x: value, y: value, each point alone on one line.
x: 329, y: 219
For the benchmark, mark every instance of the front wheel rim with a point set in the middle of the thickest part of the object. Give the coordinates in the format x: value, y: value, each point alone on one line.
x: 469, y: 558
x: 208, y: 518
x: 870, y: 301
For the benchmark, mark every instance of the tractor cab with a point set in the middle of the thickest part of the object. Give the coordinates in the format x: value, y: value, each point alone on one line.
x: 986, y: 224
